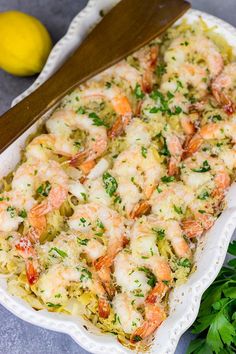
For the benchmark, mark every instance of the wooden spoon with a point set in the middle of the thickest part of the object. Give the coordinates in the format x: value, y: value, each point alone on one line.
x: 127, y: 27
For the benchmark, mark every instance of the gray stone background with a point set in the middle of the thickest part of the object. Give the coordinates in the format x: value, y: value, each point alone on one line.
x: 17, y: 336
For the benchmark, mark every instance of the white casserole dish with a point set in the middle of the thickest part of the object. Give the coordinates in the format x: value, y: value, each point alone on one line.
x: 184, y: 300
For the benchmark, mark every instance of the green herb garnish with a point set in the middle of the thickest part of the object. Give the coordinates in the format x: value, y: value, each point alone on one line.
x: 110, y: 183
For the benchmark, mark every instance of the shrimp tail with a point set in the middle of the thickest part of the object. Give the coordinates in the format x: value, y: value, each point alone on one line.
x: 103, y: 308
x: 173, y: 166
x: 103, y: 268
x: 158, y: 292
x: 155, y: 318
x: 142, y: 208
x: 118, y: 127
x: 193, y: 145
x: 192, y: 228
x: 26, y: 250
x: 79, y: 158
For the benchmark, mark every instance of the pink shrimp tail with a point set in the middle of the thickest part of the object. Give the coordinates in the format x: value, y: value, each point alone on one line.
x: 155, y: 316
x: 142, y: 208
x: 103, y: 308
x: 103, y: 268
x: 26, y: 250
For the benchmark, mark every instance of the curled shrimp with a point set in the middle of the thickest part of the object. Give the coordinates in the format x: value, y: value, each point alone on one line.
x: 111, y: 225
x: 191, y: 60
x: 223, y: 88
x: 146, y: 229
x: 47, y: 178
x: 28, y: 253
x: 97, y: 136
x: 176, y: 151
x: 58, y: 277
x: 119, y: 101
x: 137, y: 171
x: 211, y: 131
x: 44, y: 146
x: 155, y: 313
x: 140, y: 74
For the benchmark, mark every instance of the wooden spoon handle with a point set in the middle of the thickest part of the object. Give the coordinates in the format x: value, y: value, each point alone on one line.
x: 126, y: 28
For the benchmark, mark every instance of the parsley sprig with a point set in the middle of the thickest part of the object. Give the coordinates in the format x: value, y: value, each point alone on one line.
x: 216, y: 321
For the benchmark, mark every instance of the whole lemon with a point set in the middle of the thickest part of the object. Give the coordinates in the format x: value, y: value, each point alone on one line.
x: 24, y: 43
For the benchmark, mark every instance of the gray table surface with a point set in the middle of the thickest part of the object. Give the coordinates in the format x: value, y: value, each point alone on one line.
x: 17, y: 336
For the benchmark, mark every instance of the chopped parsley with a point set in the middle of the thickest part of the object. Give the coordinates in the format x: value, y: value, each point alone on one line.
x: 203, y: 196
x: 81, y: 110
x: 137, y: 338
x: 85, y: 274
x: 44, y: 189
x: 161, y: 69
x: 50, y: 304
x: 184, y: 262
x: 204, y: 168
x: 138, y: 92
x: 144, y: 151
x: 82, y: 241
x: 96, y: 120
x: 108, y: 85
x: 12, y: 211
x: 151, y: 277
x: 159, y: 232
x: 61, y: 253
x: 110, y: 183
x: 22, y: 214
x: 167, y: 179
x: 178, y: 210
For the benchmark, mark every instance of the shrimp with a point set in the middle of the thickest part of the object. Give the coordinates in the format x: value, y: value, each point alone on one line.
x: 97, y: 139
x: 131, y: 277
x: 191, y: 60
x: 46, y: 178
x: 28, y: 253
x: 155, y: 313
x: 137, y: 171
x: 44, y: 146
x: 223, y: 88
x: 176, y: 151
x: 57, y: 279
x: 111, y: 224
x: 139, y: 74
x: 212, y: 131
x: 129, y: 317
x: 148, y: 228
x: 170, y: 201
x: 119, y: 101
x: 202, y: 169
x: 9, y: 215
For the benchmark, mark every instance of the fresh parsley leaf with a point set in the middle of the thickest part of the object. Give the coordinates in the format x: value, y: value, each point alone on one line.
x: 184, y: 262
x: 144, y: 151
x: 82, y: 241
x: 161, y: 69
x: 216, y: 321
x: 23, y: 213
x: 159, y: 232
x: 204, y: 168
x: 203, y: 195
x: 167, y: 179
x: 110, y: 183
x: 59, y: 252
x: 96, y: 120
x: 50, y: 304
x: 138, y: 92
x: 44, y: 189
x: 151, y: 277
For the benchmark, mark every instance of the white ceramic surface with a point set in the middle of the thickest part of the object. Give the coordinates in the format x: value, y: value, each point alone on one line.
x: 184, y: 300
